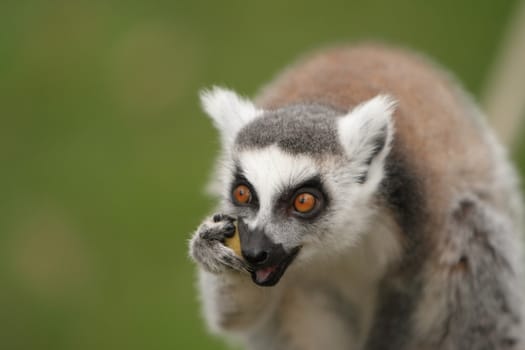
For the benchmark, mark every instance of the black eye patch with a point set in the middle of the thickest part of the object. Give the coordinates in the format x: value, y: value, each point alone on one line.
x: 240, y: 179
x: 312, y: 186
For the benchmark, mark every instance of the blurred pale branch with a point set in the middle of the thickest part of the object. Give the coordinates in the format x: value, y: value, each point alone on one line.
x: 504, y: 93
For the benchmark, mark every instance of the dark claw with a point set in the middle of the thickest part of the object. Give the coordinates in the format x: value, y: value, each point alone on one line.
x: 229, y: 230
x: 217, y: 217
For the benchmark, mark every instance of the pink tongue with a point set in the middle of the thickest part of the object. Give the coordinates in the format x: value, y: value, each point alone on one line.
x: 263, y: 274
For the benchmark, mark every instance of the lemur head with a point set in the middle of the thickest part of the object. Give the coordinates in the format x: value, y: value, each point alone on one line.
x: 302, y: 179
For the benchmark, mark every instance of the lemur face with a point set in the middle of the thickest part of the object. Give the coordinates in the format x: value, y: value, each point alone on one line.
x: 301, y: 179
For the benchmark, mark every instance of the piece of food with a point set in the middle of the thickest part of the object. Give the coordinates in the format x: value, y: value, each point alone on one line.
x: 234, y: 242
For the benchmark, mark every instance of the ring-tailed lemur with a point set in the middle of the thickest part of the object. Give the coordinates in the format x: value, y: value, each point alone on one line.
x: 372, y: 198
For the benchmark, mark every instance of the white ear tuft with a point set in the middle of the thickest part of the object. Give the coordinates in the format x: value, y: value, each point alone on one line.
x: 366, y: 134
x: 229, y: 111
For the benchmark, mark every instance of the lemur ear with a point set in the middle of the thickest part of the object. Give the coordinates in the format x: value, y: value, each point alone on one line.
x: 229, y: 111
x: 366, y: 134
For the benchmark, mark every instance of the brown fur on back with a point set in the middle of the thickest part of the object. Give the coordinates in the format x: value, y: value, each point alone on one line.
x: 438, y: 127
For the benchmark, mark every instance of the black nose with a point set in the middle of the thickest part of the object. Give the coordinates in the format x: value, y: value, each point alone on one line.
x: 256, y: 247
x: 255, y: 257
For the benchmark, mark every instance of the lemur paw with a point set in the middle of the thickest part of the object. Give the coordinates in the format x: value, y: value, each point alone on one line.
x: 207, y: 245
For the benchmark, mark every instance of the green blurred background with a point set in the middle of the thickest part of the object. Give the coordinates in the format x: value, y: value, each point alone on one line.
x: 104, y: 151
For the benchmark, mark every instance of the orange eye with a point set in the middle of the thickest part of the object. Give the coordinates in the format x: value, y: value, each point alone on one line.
x: 242, y: 194
x: 304, y: 202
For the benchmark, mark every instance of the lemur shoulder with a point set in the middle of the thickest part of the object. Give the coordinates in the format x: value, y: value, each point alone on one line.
x: 375, y: 209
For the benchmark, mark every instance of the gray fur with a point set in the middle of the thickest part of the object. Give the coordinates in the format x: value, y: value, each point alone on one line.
x: 483, y: 309
x: 305, y: 128
x: 207, y: 245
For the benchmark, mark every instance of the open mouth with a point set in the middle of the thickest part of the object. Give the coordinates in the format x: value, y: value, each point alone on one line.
x: 269, y: 276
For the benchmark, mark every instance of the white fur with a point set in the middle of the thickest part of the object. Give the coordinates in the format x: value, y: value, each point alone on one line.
x: 270, y: 171
x: 362, y: 266
x: 360, y: 127
x: 229, y: 111
x: 296, y: 300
